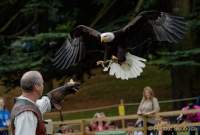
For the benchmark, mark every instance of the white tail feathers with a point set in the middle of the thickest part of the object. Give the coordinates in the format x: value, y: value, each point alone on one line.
x: 131, y: 68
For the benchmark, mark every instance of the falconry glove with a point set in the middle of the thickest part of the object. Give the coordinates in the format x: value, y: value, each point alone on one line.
x: 58, y: 94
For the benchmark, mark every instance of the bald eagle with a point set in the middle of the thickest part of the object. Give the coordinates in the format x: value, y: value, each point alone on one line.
x: 146, y: 27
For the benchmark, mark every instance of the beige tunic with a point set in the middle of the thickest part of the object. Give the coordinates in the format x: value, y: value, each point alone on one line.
x: 150, y: 105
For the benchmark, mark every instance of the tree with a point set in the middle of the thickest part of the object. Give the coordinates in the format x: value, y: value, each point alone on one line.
x: 185, y: 62
x: 32, y: 30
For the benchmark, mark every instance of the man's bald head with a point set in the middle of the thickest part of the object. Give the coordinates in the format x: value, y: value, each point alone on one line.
x: 29, y: 79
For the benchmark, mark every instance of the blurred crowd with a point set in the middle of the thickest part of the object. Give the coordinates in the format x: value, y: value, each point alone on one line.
x: 148, y: 106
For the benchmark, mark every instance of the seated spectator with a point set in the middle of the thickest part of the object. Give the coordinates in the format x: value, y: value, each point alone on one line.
x: 163, y: 123
x: 113, y: 126
x: 4, y: 117
x: 69, y: 130
x: 88, y: 129
x: 61, y: 129
x: 98, y: 124
x: 129, y: 127
x: 64, y: 129
x: 191, y: 117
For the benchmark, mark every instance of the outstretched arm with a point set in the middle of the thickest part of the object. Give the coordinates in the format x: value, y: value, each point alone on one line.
x: 44, y: 104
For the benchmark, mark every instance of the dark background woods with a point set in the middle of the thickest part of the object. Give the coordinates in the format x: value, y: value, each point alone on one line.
x: 32, y: 30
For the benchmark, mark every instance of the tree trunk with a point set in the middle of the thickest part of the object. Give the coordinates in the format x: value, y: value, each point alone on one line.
x: 185, y: 83
x: 185, y: 79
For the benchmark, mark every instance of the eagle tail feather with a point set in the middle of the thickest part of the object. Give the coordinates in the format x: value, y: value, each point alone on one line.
x: 131, y: 68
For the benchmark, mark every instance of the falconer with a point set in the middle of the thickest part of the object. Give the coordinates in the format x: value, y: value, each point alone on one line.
x: 26, y: 115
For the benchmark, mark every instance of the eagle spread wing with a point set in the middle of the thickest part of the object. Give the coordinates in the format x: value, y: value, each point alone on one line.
x: 155, y: 26
x: 78, y: 43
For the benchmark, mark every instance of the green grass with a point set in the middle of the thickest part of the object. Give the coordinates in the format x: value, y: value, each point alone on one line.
x: 104, y: 90
x: 109, y: 112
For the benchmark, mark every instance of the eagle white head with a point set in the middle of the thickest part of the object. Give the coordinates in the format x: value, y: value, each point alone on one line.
x: 107, y: 37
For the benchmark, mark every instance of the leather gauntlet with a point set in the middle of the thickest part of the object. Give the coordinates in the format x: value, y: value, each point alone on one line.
x: 58, y: 94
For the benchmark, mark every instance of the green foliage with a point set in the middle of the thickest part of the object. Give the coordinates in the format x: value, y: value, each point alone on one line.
x: 51, y: 6
x: 34, y: 47
x: 194, y: 18
x: 179, y: 58
x: 29, y: 53
x: 150, y: 4
x: 39, y: 38
x: 194, y: 25
x: 99, y: 2
x: 115, y: 25
x: 65, y: 27
x: 32, y: 30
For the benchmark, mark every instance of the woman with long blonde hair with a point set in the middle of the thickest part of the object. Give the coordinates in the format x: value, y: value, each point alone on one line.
x: 148, y: 106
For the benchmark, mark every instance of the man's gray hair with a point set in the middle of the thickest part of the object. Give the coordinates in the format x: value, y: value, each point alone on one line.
x: 29, y: 79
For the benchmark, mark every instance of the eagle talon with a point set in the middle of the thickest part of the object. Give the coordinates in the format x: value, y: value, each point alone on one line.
x: 100, y: 62
x: 114, y: 57
x: 71, y: 81
x: 105, y: 69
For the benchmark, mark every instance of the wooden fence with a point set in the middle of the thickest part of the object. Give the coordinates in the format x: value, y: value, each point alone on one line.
x: 124, y: 127
x: 82, y: 123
